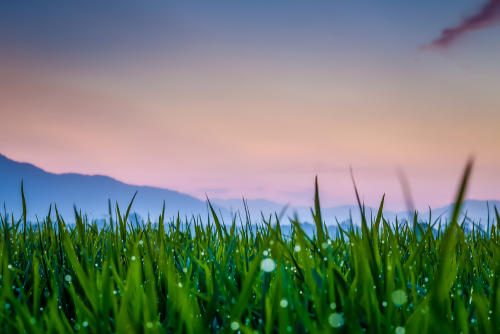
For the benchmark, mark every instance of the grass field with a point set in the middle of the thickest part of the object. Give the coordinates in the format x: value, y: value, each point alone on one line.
x: 188, y: 277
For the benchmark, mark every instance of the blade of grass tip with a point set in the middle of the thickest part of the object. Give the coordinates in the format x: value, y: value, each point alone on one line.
x: 375, y: 231
x: 368, y: 242
x: 121, y: 224
x: 497, y: 216
x: 283, y: 211
x: 247, y: 211
x: 317, y: 215
x: 24, y: 209
x: 447, y: 266
x: 406, y: 189
x: 129, y: 207
x: 161, y: 219
x: 216, y: 219
x: 110, y: 213
x: 488, y: 218
x: 361, y: 209
x: 461, y: 192
x: 364, y: 225
x: 379, y: 214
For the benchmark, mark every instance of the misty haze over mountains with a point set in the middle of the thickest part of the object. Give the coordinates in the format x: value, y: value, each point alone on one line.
x: 90, y: 193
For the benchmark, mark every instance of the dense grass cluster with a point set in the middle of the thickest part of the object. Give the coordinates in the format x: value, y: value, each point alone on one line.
x: 188, y: 277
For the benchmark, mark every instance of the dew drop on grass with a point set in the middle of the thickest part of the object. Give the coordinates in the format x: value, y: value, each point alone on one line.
x: 132, y: 258
x: 399, y: 297
x: 297, y: 248
x: 400, y: 330
x: 68, y: 278
x: 235, y: 325
x: 336, y: 320
x: 85, y: 324
x: 268, y: 265
x: 149, y: 324
x: 284, y: 303
x: 333, y: 306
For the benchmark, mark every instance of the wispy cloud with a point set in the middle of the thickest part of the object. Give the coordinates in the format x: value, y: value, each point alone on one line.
x: 487, y: 16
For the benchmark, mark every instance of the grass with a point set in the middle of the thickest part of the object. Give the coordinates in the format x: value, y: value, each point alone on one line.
x: 188, y: 277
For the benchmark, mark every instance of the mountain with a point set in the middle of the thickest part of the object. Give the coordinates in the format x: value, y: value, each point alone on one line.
x: 332, y: 215
x: 90, y: 193
x: 474, y: 210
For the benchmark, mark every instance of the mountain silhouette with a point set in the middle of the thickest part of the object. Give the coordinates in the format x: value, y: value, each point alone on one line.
x: 472, y: 210
x: 91, y: 193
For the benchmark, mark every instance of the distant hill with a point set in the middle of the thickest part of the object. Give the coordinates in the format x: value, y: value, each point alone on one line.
x: 472, y: 209
x: 90, y: 193
x: 475, y: 210
x: 331, y: 215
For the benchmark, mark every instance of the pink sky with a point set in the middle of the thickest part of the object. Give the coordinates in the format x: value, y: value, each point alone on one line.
x: 261, y: 119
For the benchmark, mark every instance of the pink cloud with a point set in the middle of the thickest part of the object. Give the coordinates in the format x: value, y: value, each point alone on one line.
x: 487, y: 16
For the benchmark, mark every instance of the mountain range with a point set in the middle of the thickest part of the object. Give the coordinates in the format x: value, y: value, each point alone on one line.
x: 91, y: 193
x: 474, y: 210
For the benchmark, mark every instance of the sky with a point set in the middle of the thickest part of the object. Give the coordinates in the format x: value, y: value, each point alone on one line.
x: 255, y: 98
